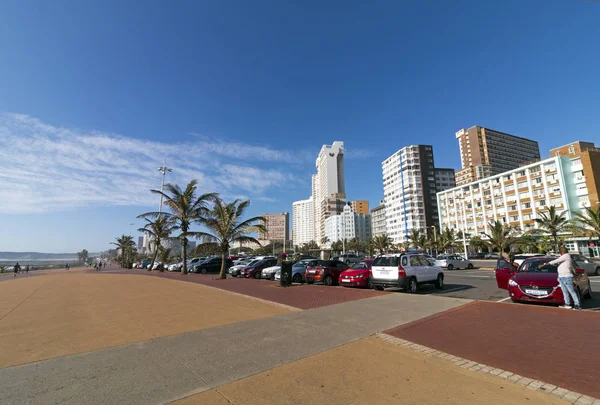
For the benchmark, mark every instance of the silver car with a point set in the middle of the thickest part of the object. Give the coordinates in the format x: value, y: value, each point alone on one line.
x: 451, y: 262
x: 591, y: 267
x: 269, y: 272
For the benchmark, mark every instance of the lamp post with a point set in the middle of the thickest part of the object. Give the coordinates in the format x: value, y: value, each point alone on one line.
x: 163, y: 169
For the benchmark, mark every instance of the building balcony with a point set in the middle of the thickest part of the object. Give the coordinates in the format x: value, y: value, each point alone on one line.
x: 581, y: 191
x: 577, y: 167
x: 555, y: 181
x: 579, y: 179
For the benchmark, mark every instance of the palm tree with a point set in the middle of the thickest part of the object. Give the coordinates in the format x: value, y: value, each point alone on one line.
x: 324, y: 240
x: 414, y: 235
x: 225, y: 225
x: 445, y: 240
x: 83, y: 256
x: 125, y: 244
x: 337, y: 246
x: 587, y: 223
x: 158, y: 229
x: 186, y: 209
x: 382, y: 243
x: 501, y: 236
x: 552, y: 223
x: 477, y: 243
x: 165, y: 253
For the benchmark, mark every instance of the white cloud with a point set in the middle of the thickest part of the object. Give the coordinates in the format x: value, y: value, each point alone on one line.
x: 48, y: 168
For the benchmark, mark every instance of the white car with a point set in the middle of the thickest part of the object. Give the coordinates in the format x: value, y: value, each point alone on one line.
x: 452, y: 262
x: 174, y: 266
x: 406, y: 271
x: 156, y: 265
x: 269, y: 272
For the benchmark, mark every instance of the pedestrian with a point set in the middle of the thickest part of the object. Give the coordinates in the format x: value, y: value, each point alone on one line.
x: 16, y: 269
x: 95, y: 266
x: 27, y: 269
x: 565, y: 277
x: 105, y: 265
x: 67, y: 267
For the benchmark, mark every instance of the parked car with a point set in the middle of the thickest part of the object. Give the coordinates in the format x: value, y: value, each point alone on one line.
x: 477, y: 256
x: 492, y: 256
x: 212, y: 265
x: 243, y: 260
x: 175, y: 266
x: 325, y: 271
x: 406, y: 271
x: 358, y: 275
x: 591, y: 267
x: 529, y: 283
x: 145, y: 264
x: 269, y: 272
x: 255, y: 268
x: 452, y: 262
x: 348, y: 258
x: 299, y: 270
x: 234, y: 271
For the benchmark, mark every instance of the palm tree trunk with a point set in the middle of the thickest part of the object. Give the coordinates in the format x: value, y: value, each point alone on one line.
x: 184, y: 254
x: 156, y: 244
x: 223, y: 275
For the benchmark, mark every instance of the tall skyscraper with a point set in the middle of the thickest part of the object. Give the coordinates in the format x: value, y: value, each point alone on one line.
x: 585, y: 158
x: 303, y: 219
x: 327, y: 182
x: 347, y: 225
x: 485, y: 152
x: 409, y: 190
x: 360, y: 206
x: 277, y: 228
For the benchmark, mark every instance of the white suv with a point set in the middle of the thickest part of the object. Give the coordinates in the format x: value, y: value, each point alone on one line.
x: 405, y: 271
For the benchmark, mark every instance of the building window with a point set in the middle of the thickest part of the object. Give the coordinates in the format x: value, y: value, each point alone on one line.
x: 571, y: 149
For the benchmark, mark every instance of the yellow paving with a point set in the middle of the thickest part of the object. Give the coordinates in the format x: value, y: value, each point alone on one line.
x: 370, y: 371
x: 65, y: 313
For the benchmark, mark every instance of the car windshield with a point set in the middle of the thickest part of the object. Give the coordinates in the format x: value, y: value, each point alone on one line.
x: 387, y: 261
x: 441, y: 257
x: 531, y: 266
x: 303, y: 263
x: 254, y: 262
x: 361, y: 265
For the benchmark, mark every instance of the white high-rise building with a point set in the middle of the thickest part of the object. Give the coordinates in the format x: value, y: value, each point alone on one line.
x: 328, y: 181
x: 303, y: 219
x: 347, y: 225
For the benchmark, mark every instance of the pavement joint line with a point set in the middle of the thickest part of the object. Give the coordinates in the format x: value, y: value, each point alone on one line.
x: 26, y: 298
x: 574, y: 398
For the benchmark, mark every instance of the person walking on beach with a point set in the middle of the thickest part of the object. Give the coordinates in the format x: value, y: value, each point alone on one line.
x: 67, y: 267
x: 27, y: 269
x: 565, y: 277
x: 16, y: 269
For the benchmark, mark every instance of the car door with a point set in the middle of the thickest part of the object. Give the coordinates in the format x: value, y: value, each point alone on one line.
x: 504, y: 271
x: 339, y: 268
x: 417, y: 268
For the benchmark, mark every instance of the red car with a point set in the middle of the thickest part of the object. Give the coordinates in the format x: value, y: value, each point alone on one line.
x: 328, y: 272
x: 358, y: 275
x: 532, y: 284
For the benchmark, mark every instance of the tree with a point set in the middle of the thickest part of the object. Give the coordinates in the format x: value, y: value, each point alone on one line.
x: 414, y: 235
x: 186, y: 210
x: 307, y: 247
x: 158, y: 230
x: 587, y: 222
x: 382, y: 243
x: 445, y: 240
x: 477, y: 243
x: 125, y: 244
x: 500, y: 236
x: 337, y: 246
x: 165, y: 253
x: 324, y: 240
x: 528, y: 243
x: 206, y: 249
x: 550, y: 222
x: 225, y: 225
x: 83, y: 256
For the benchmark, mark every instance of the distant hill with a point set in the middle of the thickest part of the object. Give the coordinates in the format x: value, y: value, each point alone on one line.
x: 36, y: 256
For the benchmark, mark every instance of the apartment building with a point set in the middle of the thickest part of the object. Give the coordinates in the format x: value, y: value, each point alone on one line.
x: 303, y: 221
x: 360, y: 206
x: 378, y: 219
x: 329, y: 180
x: 444, y: 179
x: 409, y: 190
x: 485, y: 152
x: 277, y: 228
x: 516, y: 197
x: 347, y: 225
x: 590, y: 162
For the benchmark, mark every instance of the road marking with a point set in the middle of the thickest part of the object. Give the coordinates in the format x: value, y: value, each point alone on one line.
x: 503, y: 299
x: 469, y: 276
x: 453, y: 289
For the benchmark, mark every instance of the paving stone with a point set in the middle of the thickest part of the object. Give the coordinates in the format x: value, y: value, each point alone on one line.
x: 548, y: 387
x: 535, y: 385
x: 496, y: 371
x: 515, y: 378
x: 525, y: 381
x: 559, y: 392
x: 571, y: 396
x: 585, y: 400
x: 506, y: 374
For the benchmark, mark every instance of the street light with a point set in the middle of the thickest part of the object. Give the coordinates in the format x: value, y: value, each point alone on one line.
x: 164, y: 169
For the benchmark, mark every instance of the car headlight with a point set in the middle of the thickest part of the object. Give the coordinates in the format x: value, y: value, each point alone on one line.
x: 513, y: 283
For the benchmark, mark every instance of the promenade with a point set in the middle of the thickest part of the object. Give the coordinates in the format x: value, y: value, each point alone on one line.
x: 112, y: 337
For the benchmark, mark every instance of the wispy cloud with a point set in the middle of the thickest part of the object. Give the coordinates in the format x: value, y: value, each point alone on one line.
x: 49, y: 168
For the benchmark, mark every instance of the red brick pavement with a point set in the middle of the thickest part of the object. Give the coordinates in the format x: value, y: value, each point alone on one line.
x: 299, y: 296
x: 554, y: 345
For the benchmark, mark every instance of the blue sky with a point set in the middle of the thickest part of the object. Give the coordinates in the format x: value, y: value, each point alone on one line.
x: 241, y: 95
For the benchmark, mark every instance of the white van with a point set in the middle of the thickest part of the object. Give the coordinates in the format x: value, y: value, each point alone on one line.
x: 406, y: 271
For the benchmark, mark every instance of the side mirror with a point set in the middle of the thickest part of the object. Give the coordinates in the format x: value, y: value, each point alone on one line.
x: 579, y: 271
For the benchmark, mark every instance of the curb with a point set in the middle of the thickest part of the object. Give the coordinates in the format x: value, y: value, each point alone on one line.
x: 535, y: 385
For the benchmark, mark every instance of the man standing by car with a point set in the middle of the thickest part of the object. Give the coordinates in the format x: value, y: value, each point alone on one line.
x: 565, y: 277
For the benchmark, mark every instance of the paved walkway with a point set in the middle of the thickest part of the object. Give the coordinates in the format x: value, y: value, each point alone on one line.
x: 554, y: 345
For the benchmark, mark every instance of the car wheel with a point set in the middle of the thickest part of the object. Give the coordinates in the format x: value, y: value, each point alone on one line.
x: 256, y: 275
x: 439, y: 283
x: 297, y: 278
x: 470, y: 266
x: 515, y: 301
x: 597, y: 271
x: 328, y: 281
x: 369, y: 284
x: 203, y: 271
x: 412, y: 286
x: 450, y: 267
x: 379, y: 288
x: 589, y: 294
